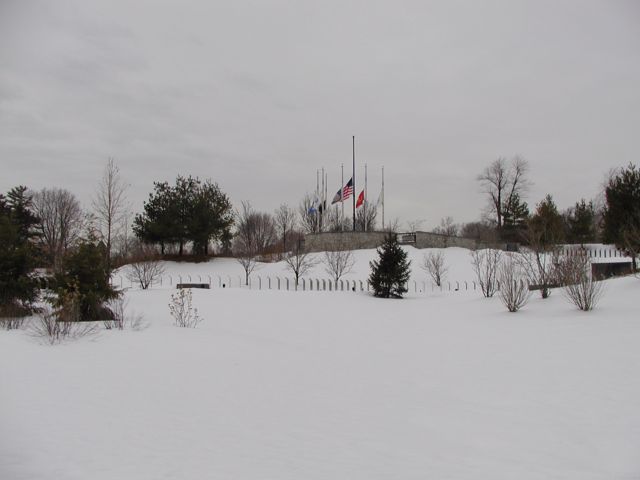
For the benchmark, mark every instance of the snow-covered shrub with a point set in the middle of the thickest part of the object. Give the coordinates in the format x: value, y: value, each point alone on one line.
x: 578, y: 284
x: 485, y: 264
x: 514, y: 290
x: 181, y: 309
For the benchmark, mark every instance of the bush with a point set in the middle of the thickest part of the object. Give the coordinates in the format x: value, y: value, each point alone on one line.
x: 182, y: 311
x: 146, y: 268
x: 390, y: 273
x: 56, y: 326
x: 121, y: 317
x: 514, y: 290
x: 578, y: 284
x: 485, y: 264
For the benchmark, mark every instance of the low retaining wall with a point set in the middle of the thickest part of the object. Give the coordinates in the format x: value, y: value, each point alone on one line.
x: 319, y: 242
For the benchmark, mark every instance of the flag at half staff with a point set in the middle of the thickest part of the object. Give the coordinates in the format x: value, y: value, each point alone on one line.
x: 344, y: 193
x: 360, y: 200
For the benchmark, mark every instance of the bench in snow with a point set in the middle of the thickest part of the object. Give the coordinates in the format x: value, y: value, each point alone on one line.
x: 192, y: 285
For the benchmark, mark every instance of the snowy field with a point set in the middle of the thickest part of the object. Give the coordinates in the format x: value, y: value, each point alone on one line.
x: 332, y: 385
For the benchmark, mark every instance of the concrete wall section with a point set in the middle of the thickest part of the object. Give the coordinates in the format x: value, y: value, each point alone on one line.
x: 318, y: 242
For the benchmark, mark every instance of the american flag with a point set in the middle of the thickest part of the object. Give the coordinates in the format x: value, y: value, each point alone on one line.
x: 347, y: 190
x: 344, y: 193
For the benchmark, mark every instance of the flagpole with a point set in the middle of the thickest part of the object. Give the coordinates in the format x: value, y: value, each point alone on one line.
x: 342, y: 196
x: 354, y: 182
x: 383, y: 197
x: 364, y: 203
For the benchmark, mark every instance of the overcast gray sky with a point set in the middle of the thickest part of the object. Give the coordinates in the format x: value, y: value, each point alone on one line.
x: 258, y: 95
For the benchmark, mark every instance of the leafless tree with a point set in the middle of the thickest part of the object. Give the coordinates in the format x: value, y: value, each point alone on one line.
x: 146, y: 266
x: 447, y: 227
x: 578, y: 283
x: 285, y: 220
x: 255, y: 230
x: 366, y: 217
x: 61, y: 221
x: 335, y: 222
x: 415, y: 225
x: 338, y: 260
x: 485, y: 265
x: 248, y: 262
x: 433, y: 263
x: 502, y: 181
x: 299, y: 262
x: 110, y: 204
x: 514, y: 290
x: 309, y: 215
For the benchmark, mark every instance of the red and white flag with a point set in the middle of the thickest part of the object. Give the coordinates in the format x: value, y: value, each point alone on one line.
x: 360, y: 200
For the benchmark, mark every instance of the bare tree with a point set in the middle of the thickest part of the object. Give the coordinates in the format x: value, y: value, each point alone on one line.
x: 366, y: 217
x: 61, y: 221
x: 415, y: 225
x: 255, y: 230
x: 434, y: 265
x: 338, y: 260
x: 309, y: 215
x: 514, y: 290
x: 299, y: 262
x: 447, y: 227
x: 485, y: 265
x: 502, y: 181
x: 146, y: 267
x: 285, y: 220
x: 578, y: 283
x: 248, y: 262
x: 110, y: 204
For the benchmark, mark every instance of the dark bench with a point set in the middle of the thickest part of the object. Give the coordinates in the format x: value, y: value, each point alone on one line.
x: 192, y: 285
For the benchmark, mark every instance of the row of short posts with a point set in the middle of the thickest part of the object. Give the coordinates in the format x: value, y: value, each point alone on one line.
x: 303, y: 284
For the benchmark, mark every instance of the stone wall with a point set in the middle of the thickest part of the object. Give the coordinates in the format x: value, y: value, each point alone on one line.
x: 318, y: 242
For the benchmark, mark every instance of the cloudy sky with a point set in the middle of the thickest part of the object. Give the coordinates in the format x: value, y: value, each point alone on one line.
x: 257, y: 95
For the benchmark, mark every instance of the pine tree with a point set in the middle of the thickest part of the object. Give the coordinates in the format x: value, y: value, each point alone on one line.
x: 18, y: 254
x: 515, y: 214
x: 581, y: 227
x: 390, y: 273
x: 622, y: 211
x: 85, y: 279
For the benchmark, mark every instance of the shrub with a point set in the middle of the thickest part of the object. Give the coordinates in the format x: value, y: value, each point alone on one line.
x: 514, y: 290
x: 485, y: 264
x: 578, y: 284
x: 182, y: 311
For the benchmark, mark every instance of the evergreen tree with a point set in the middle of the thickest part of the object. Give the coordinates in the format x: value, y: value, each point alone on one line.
x: 581, y: 227
x: 545, y: 227
x: 515, y: 214
x: 191, y: 211
x: 85, y: 279
x: 390, y: 273
x: 622, y: 211
x: 18, y: 254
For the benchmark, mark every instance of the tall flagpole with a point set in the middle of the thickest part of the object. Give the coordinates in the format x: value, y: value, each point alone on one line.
x: 383, y: 197
x: 354, y: 182
x: 316, y: 199
x: 342, y: 197
x: 364, y: 203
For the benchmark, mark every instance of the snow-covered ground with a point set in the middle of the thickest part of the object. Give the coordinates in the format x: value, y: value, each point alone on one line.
x: 332, y: 385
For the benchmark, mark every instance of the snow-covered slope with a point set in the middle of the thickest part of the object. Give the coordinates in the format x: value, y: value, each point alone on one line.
x: 332, y: 385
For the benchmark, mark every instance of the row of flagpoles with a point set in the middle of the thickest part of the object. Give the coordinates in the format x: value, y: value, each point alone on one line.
x: 344, y: 193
